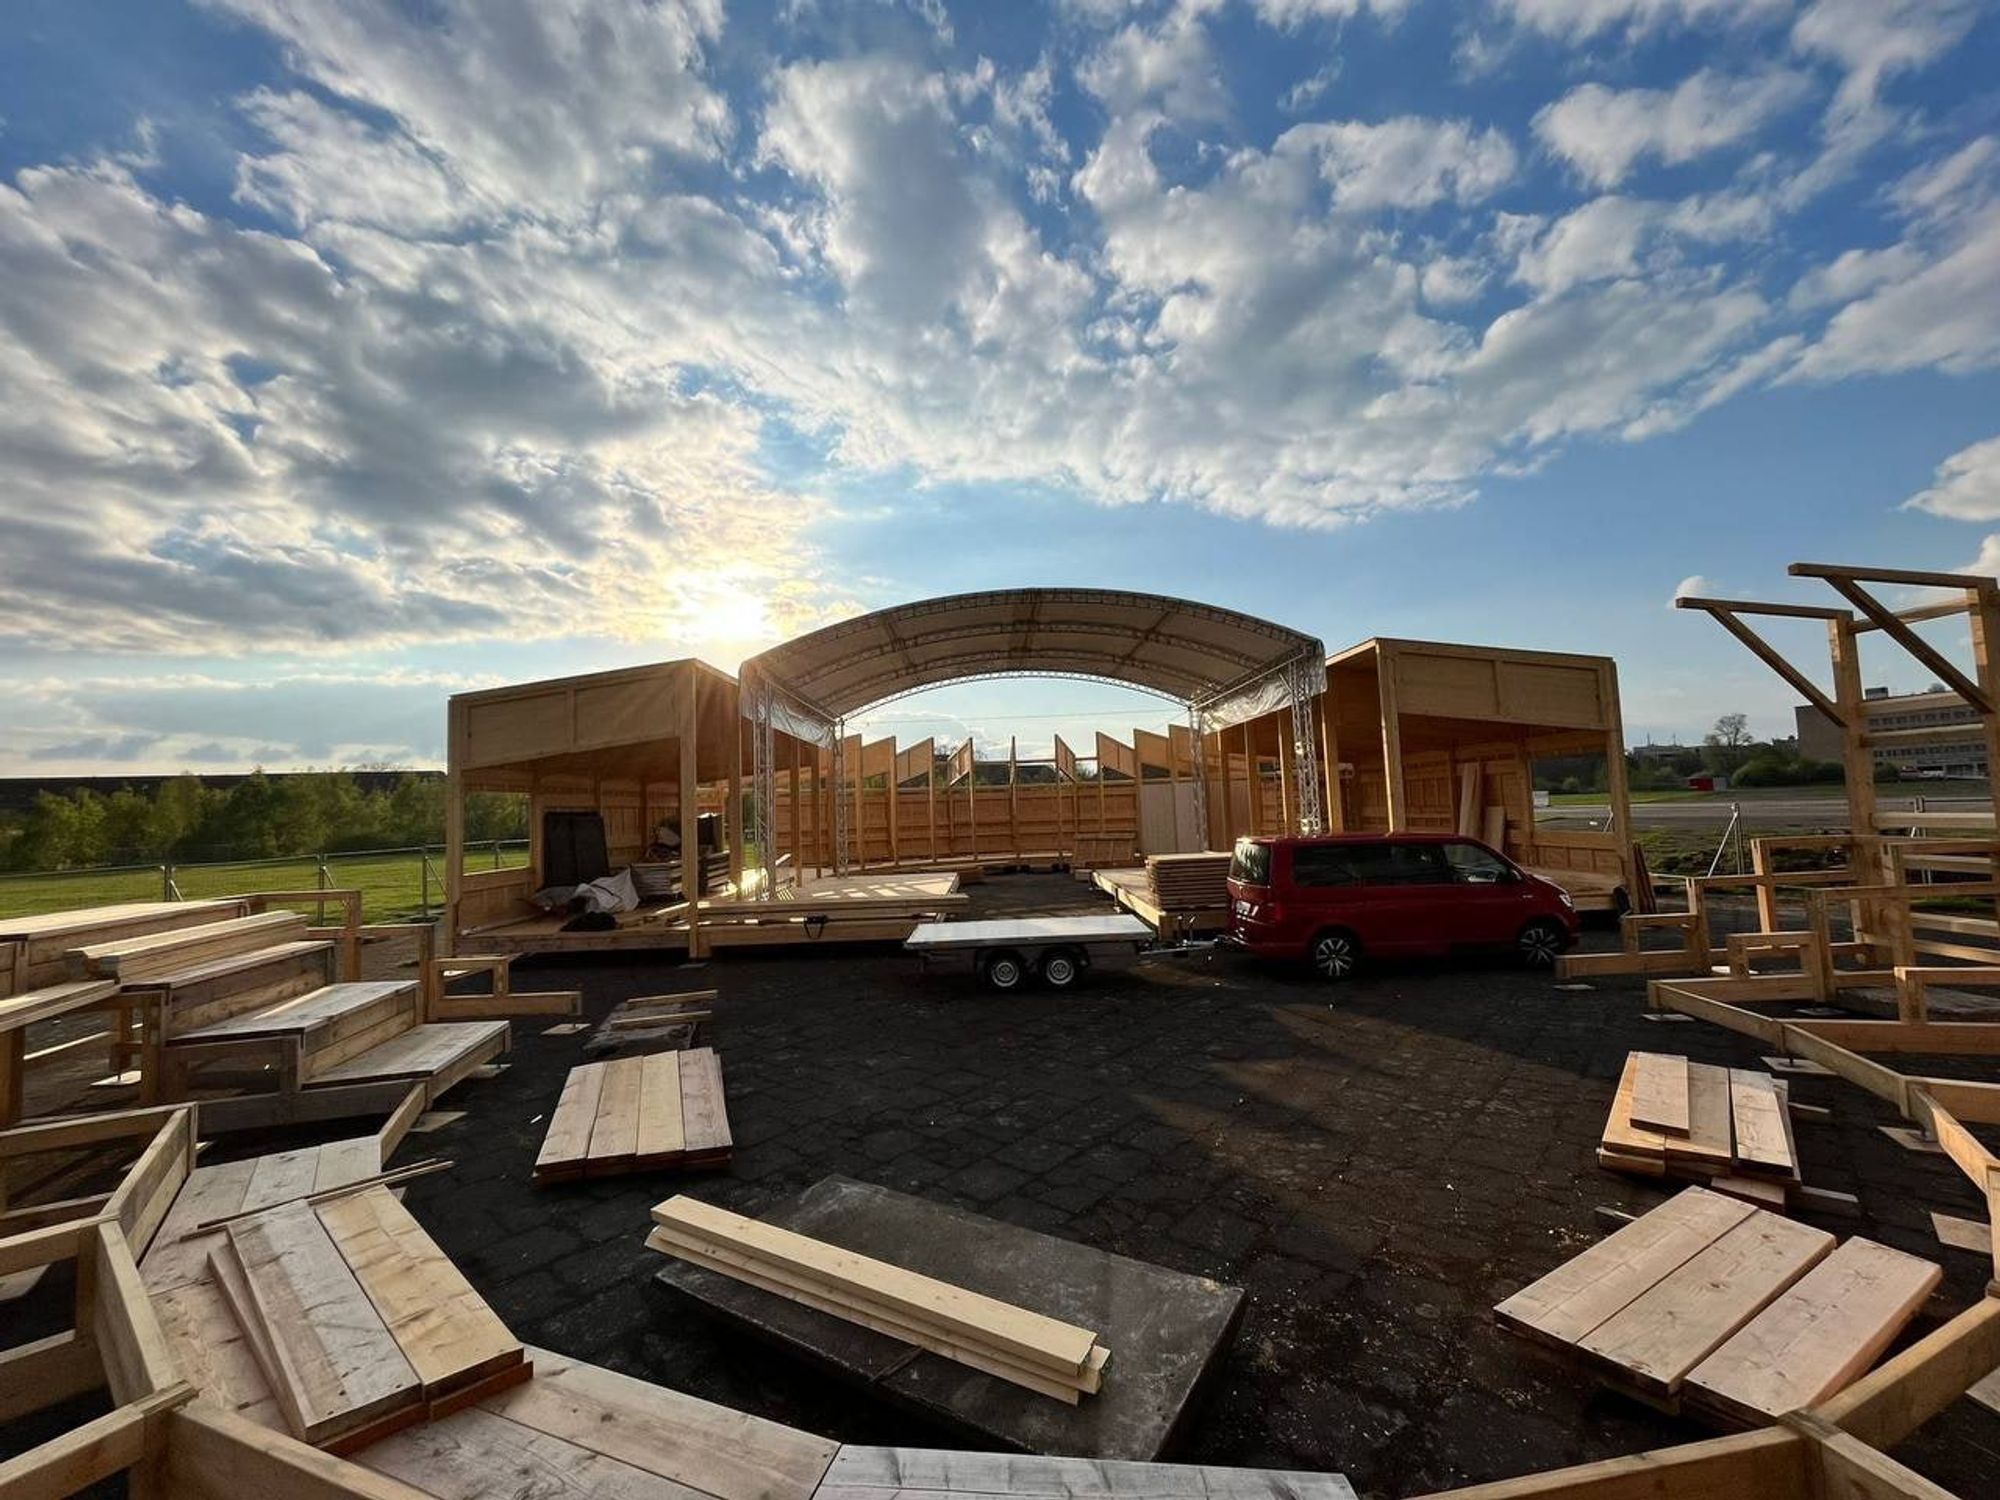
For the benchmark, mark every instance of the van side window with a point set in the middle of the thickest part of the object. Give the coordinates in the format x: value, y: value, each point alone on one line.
x: 1472, y: 865
x: 1324, y: 864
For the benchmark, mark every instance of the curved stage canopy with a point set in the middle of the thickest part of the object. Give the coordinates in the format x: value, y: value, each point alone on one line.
x: 1225, y: 666
x: 1195, y: 653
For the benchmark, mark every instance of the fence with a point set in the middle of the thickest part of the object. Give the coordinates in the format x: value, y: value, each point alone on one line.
x: 395, y: 884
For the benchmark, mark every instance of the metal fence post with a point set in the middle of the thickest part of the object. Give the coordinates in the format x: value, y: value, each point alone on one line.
x: 166, y: 882
x: 424, y: 879
x: 325, y: 875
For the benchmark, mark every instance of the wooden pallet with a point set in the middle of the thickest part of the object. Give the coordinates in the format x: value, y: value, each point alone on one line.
x: 1729, y: 1127
x: 638, y: 1114
x: 1747, y: 1314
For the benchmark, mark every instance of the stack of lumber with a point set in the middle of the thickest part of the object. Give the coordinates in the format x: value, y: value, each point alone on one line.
x: 1035, y: 1352
x: 638, y: 1114
x: 1741, y: 1314
x: 356, y: 1320
x: 1189, y: 882
x: 1728, y: 1127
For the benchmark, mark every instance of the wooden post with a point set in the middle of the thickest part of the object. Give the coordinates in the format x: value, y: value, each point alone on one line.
x: 798, y: 845
x: 1617, y: 783
x: 1392, y: 741
x: 930, y: 804
x: 1329, y: 742
x: 690, y: 829
x: 972, y: 799
x: 895, y: 821
x: 733, y: 823
x: 454, y: 823
x: 1982, y: 616
x: 1858, y: 761
x: 1014, y: 796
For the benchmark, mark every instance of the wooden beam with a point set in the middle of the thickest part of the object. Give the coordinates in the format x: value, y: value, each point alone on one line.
x: 1756, y: 607
x: 1765, y: 652
x: 1972, y: 582
x: 1940, y: 665
x: 1884, y: 1407
x: 1770, y: 1464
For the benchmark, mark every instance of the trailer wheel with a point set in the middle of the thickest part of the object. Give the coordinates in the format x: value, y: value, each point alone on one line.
x: 1005, y: 971
x: 1062, y: 968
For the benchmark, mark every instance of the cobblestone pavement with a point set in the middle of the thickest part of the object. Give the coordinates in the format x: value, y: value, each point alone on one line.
x: 1377, y: 1173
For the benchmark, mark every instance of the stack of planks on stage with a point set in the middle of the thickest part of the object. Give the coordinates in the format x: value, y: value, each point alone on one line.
x: 359, y: 1324
x: 1036, y: 1352
x: 1188, y: 882
x: 1728, y: 1127
x: 1737, y: 1313
x: 638, y: 1114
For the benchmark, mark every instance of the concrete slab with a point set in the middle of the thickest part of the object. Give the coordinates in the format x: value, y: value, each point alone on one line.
x: 1166, y: 1330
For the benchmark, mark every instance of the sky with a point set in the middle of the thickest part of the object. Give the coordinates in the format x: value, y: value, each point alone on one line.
x: 356, y: 353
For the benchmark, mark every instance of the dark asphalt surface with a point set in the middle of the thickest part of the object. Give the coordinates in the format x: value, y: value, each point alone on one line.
x: 1377, y: 1173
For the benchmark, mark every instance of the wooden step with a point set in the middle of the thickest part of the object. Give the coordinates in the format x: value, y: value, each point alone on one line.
x: 216, y: 990
x: 319, y: 1015
x: 439, y: 1053
x: 130, y: 960
x: 41, y: 944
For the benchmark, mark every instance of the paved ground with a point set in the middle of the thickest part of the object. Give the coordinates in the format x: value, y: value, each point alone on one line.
x: 1377, y: 1174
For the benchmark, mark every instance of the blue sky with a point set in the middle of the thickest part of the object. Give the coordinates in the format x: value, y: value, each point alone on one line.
x: 357, y: 353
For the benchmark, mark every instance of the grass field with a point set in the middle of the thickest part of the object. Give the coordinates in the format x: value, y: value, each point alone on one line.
x: 392, y: 884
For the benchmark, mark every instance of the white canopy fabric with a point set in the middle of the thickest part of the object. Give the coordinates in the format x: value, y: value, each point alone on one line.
x: 1195, y: 653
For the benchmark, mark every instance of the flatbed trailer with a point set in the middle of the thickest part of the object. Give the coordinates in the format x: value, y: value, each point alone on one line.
x: 1007, y: 953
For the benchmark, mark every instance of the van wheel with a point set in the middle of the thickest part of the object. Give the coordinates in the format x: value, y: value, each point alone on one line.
x: 1335, y: 953
x: 1061, y: 969
x: 1005, y: 971
x: 1540, y: 944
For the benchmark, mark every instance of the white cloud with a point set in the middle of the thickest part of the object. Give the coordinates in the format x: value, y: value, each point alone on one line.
x: 1694, y: 586
x: 1966, y: 486
x: 1307, y: 92
x: 1291, y: 14
x: 1935, y: 303
x: 1605, y: 132
x: 1169, y: 65
x: 1406, y: 162
x: 1873, y: 40
x: 1598, y: 241
x: 1581, y: 20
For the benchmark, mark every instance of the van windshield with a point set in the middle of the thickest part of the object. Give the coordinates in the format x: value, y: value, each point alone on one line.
x: 1252, y: 863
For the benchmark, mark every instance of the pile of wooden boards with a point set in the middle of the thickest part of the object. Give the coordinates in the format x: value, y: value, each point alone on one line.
x: 638, y: 1114
x: 356, y: 1319
x: 1739, y: 1313
x: 1188, y: 882
x: 1728, y: 1127
x: 647, y: 1022
x: 1035, y: 1352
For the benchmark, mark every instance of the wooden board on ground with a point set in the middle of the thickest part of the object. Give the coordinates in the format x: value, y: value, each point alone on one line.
x: 1736, y: 1127
x: 1816, y: 1336
x: 1762, y: 1143
x: 1656, y: 1339
x: 330, y: 1358
x: 631, y: 1114
x: 1962, y: 1234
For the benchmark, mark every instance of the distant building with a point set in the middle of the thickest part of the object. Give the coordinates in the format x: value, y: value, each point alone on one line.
x: 1651, y: 752
x: 1820, y: 740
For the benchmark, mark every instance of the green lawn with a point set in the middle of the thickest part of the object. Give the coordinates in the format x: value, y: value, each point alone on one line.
x: 391, y: 885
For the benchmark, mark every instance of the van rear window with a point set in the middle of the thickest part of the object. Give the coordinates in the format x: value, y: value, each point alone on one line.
x: 1251, y: 863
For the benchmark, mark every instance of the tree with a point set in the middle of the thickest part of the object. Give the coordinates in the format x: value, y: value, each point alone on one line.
x: 1727, y: 746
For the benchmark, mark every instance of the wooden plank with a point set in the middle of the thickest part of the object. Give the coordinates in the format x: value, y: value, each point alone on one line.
x: 661, y: 1134
x: 876, y: 1315
x: 342, y: 1162
x: 1668, y: 1330
x: 721, y: 1452
x: 137, y: 1362
x: 177, y: 1255
x: 1962, y: 1234
x: 81, y: 1457
x: 1769, y: 1464
x: 19, y: 1012
x: 1018, y: 1331
x: 337, y: 1365
x: 614, y: 1137
x: 1757, y: 1120
x: 214, y: 1454
x: 704, y: 1113
x: 1817, y: 1335
x: 478, y: 1455
x: 212, y: 1351
x: 131, y: 959
x: 1583, y: 1292
x: 1660, y: 1093
x: 281, y: 1177
x: 1888, y: 1404
x: 428, y: 1051
x: 1710, y: 1136
x: 445, y: 1329
x: 147, y: 1192
x: 859, y: 1472
x: 567, y: 1140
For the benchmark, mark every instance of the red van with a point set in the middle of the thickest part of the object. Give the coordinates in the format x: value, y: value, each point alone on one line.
x: 1334, y: 900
